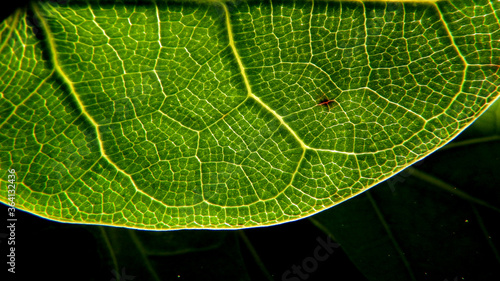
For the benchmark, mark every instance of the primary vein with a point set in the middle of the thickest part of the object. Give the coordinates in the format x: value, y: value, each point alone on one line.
x: 69, y: 83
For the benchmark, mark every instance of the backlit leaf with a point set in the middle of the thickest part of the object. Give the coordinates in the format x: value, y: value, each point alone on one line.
x: 167, y: 115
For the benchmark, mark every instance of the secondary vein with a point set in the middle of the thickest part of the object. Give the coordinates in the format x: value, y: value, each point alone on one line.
x: 247, y: 82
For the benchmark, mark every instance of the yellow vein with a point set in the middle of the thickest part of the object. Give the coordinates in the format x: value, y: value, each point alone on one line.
x: 257, y: 99
x: 247, y: 82
x: 457, y: 50
x: 309, y: 31
x: 159, y: 25
x: 450, y: 36
x: 69, y: 83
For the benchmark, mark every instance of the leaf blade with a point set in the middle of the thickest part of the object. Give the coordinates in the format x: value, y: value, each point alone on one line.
x: 205, y: 115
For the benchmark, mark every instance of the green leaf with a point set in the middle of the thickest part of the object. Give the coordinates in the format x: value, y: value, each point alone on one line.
x: 168, y: 115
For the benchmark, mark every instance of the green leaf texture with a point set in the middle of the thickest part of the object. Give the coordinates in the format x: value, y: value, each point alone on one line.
x: 172, y: 115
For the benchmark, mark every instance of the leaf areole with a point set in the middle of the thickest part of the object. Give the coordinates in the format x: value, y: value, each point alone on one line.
x: 177, y: 115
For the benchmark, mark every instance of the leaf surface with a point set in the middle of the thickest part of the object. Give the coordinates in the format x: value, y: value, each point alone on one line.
x: 176, y: 115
